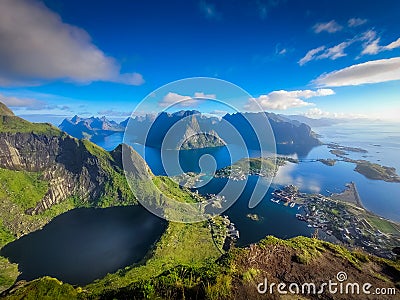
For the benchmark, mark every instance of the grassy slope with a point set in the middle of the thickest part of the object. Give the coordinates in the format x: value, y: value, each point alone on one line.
x: 182, y: 274
x: 13, y: 124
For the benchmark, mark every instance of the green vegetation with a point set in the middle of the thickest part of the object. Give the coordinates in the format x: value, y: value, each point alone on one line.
x: 383, y: 225
x: 253, y: 217
x: 5, y: 111
x: 15, y: 124
x: 173, y: 273
x: 23, y: 188
x: 46, y: 288
x: 8, y: 273
x: 97, y: 151
x: 172, y: 190
x: 261, y: 166
x: 219, y: 231
x: 376, y: 171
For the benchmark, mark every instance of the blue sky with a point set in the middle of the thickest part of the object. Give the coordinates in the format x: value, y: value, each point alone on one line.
x: 318, y: 58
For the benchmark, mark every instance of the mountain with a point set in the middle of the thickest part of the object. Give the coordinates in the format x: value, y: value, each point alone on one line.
x: 89, y: 127
x: 290, y: 136
x: 71, y: 168
x: 181, y: 130
x: 322, y: 122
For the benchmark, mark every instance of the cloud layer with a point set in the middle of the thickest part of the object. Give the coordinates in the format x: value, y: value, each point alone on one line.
x: 282, y: 100
x: 13, y: 101
x: 374, y: 71
x: 37, y: 46
x: 184, y: 101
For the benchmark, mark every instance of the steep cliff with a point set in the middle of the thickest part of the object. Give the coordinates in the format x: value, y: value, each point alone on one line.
x: 71, y: 167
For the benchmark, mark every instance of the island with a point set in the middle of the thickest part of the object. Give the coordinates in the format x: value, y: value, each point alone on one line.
x: 369, y: 169
x: 260, y: 166
x: 342, y: 149
x: 329, y: 162
x: 254, y: 217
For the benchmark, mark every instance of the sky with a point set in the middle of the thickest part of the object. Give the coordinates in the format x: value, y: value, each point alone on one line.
x: 338, y: 59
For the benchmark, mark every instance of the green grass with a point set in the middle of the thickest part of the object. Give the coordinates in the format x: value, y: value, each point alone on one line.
x: 5, y: 235
x: 97, y: 150
x: 383, y: 225
x: 23, y: 188
x: 8, y: 273
x: 172, y: 190
x: 46, y: 288
x: 15, y: 124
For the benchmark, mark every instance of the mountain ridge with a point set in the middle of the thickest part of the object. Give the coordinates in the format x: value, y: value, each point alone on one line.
x: 153, y: 129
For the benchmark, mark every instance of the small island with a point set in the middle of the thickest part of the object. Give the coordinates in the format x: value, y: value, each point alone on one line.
x: 369, y: 169
x: 342, y: 149
x: 329, y: 161
x: 254, y: 217
x: 260, y: 166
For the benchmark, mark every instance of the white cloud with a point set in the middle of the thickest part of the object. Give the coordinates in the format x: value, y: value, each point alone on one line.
x: 13, y: 101
x: 354, y: 22
x: 218, y: 112
x: 374, y: 71
x: 282, y: 100
x: 371, y: 44
x: 330, y: 27
x: 316, y: 113
x: 393, y: 45
x: 184, y: 101
x: 335, y: 51
x: 332, y: 53
x: 312, y: 54
x: 114, y: 113
x: 371, y: 47
x: 201, y: 95
x: 37, y: 46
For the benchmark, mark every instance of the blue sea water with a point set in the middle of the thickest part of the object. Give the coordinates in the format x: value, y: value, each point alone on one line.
x: 381, y: 140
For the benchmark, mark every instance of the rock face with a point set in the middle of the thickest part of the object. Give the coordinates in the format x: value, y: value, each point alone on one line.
x: 71, y: 167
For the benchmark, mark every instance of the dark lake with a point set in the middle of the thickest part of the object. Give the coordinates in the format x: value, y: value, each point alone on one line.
x: 86, y: 243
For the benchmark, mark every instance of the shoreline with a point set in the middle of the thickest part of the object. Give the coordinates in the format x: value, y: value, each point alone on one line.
x: 349, y: 195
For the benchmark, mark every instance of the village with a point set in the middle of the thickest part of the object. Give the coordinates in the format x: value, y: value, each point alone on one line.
x: 350, y: 224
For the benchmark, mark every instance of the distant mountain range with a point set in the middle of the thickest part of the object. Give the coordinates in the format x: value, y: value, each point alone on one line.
x: 184, y: 127
x: 88, y: 127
